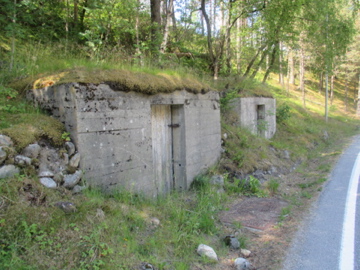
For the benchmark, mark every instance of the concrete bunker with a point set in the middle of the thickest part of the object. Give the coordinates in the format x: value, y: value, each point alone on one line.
x: 149, y: 144
x: 258, y: 114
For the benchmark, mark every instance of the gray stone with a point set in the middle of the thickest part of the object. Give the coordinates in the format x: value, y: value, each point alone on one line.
x: 273, y: 170
x: 32, y: 150
x: 147, y: 266
x: 286, y: 154
x: 22, y: 160
x: 70, y: 148
x: 217, y: 180
x: 49, y: 160
x: 66, y: 158
x: 100, y: 214
x: 242, y: 264
x: 204, y: 250
x: 67, y: 207
x: 8, y: 171
x: 70, y: 180
x: 46, y: 174
x: 3, y: 154
x: 48, y: 182
x: 155, y: 222
x: 6, y: 141
x: 74, y: 161
x: 232, y: 242
x: 78, y: 189
x: 245, y: 252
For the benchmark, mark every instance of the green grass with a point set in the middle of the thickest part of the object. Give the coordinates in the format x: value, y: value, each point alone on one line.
x: 44, y: 236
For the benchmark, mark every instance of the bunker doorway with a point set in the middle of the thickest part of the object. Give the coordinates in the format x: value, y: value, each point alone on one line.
x: 168, y: 146
x: 261, y: 124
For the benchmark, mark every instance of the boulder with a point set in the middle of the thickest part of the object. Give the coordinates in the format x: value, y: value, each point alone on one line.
x: 74, y: 161
x: 8, y: 171
x: 78, y: 189
x: 242, y: 264
x: 22, y: 161
x: 67, y: 207
x: 70, y: 148
x: 71, y: 180
x: 246, y: 253
x: 46, y: 174
x: 232, y: 242
x: 204, y: 250
x: 32, y: 150
x: 48, y: 182
x: 6, y: 141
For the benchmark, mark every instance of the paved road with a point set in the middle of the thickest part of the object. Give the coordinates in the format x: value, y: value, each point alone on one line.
x: 329, y: 238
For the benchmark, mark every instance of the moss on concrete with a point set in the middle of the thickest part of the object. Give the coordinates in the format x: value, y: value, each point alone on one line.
x: 40, y: 126
x: 119, y: 80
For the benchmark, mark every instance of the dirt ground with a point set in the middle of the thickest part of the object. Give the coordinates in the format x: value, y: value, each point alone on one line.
x: 267, y: 228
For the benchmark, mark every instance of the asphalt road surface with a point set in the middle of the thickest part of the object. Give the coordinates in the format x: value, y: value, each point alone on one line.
x: 329, y: 238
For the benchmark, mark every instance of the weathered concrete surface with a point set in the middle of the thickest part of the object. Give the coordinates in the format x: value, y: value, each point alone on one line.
x: 258, y: 114
x: 148, y: 144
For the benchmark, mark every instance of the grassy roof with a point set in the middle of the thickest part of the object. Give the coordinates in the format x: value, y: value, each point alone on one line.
x: 120, y: 80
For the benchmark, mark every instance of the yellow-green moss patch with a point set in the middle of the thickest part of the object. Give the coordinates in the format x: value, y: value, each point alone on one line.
x: 120, y: 80
x: 39, y: 126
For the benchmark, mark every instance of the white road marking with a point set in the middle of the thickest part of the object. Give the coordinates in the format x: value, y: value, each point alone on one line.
x: 348, y: 234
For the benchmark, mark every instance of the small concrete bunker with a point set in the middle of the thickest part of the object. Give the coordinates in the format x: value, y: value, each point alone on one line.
x: 258, y: 114
x: 145, y: 143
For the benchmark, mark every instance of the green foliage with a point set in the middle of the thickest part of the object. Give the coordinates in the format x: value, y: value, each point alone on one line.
x: 227, y: 98
x: 311, y: 184
x: 273, y: 186
x: 66, y: 136
x: 283, y: 113
x: 285, y: 213
x: 250, y: 187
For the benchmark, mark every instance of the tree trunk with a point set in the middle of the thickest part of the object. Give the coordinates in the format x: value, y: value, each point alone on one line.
x: 331, y: 89
x: 271, y: 62
x: 82, y: 15
x: 346, y: 89
x: 166, y: 28
x: 321, y: 82
x: 213, y: 58
x: 281, y: 75
x: 228, y: 41
x: 238, y: 46
x: 155, y: 24
x: 291, y: 67
x: 138, y: 53
x: 76, y: 14
x: 263, y: 56
x: 251, y: 63
x: 302, y: 75
x: 13, y: 38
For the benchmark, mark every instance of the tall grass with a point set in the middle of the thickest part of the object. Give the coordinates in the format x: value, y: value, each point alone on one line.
x: 107, y: 232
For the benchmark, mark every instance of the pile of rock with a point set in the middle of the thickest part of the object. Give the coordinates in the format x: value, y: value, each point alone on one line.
x: 55, y: 167
x: 239, y: 263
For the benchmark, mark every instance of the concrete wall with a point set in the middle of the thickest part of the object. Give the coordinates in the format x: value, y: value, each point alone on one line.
x: 258, y: 114
x: 147, y: 144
